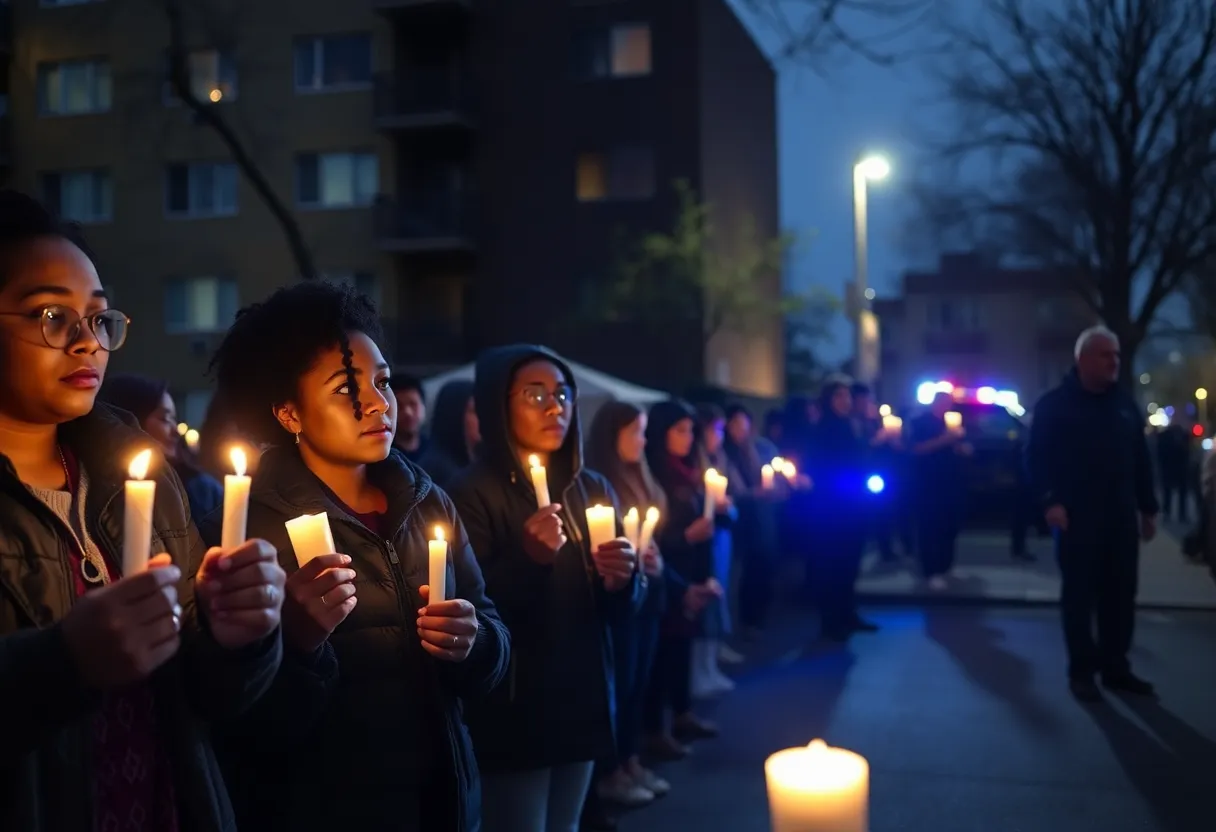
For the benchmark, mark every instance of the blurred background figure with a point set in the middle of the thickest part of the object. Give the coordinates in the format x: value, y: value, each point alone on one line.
x: 455, y: 433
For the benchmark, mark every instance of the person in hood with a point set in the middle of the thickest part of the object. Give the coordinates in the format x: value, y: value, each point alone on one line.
x: 455, y: 433
x: 538, y: 734
x: 1091, y: 472
x: 377, y: 668
x: 686, y: 540
x: 149, y: 401
x: 110, y: 683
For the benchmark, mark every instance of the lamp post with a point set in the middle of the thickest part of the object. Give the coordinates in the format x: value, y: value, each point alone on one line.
x: 865, y: 170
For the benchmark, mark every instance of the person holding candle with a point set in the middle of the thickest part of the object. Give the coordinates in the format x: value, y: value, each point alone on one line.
x: 538, y: 735
x: 149, y: 401
x: 756, y: 530
x: 937, y: 455
x: 455, y: 433
x: 685, y: 537
x: 376, y: 672
x: 104, y: 672
x: 616, y: 448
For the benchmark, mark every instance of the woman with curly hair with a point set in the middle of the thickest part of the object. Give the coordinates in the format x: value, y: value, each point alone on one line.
x: 375, y: 670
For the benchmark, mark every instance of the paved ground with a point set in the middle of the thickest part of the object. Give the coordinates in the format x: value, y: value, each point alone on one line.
x: 986, y: 571
x: 965, y: 720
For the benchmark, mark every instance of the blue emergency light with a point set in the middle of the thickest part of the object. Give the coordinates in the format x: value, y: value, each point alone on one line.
x: 875, y: 484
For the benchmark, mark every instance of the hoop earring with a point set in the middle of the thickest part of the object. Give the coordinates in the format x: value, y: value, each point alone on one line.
x: 297, y: 437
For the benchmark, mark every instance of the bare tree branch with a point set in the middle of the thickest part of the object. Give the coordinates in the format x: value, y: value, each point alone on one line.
x: 811, y: 31
x: 207, y: 114
x: 1099, y: 119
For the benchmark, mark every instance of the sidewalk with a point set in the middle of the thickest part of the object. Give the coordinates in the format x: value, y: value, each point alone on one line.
x: 986, y: 571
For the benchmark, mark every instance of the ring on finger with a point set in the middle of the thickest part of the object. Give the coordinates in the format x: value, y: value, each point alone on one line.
x: 324, y: 603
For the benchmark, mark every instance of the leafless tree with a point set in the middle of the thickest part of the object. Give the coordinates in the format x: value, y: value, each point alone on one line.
x: 181, y: 16
x: 1098, y: 119
x: 811, y: 31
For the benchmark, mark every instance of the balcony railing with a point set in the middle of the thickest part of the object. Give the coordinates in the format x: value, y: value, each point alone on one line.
x: 423, y: 97
x: 426, y: 221
x: 429, y: 343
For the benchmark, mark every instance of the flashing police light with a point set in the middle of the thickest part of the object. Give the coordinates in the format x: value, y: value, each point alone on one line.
x: 928, y: 391
x: 875, y: 484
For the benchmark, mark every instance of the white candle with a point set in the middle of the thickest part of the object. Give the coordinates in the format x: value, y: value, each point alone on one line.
x: 646, y: 536
x: 778, y: 463
x: 540, y: 481
x: 139, y: 499
x: 893, y: 425
x: 954, y: 420
x: 192, y: 438
x: 766, y: 477
x: 601, y: 524
x: 789, y: 471
x: 632, y: 530
x: 439, y: 567
x: 236, y: 502
x: 710, y: 508
x: 310, y: 536
x: 818, y: 789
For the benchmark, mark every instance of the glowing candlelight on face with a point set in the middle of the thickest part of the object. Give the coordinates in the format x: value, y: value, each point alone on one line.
x: 236, y: 502
x: 139, y: 498
x: 438, y: 551
x: 540, y: 481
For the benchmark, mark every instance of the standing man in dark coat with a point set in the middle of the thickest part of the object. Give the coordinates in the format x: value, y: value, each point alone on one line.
x: 1090, y: 469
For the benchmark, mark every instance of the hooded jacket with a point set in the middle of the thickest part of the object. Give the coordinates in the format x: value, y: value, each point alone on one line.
x: 371, y: 707
x: 556, y: 706
x: 448, y: 454
x: 45, y: 743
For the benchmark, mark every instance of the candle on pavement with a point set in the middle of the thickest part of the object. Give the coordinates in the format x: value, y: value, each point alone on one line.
x: 766, y: 477
x: 310, y: 536
x: 601, y: 525
x: 540, y: 481
x: 139, y: 498
x: 648, y: 526
x: 818, y: 789
x: 236, y: 502
x: 439, y: 567
x: 632, y: 528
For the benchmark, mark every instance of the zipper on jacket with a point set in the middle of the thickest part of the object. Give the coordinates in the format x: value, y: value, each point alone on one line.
x: 392, y: 552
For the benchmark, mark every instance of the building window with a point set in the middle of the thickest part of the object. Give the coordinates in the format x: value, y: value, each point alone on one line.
x: 84, y: 196
x: 955, y: 315
x: 74, y: 88
x: 626, y: 173
x: 365, y: 283
x: 619, y: 51
x: 212, y: 77
x: 200, y: 304
x: 197, y: 190
x: 337, y: 180
x: 333, y: 62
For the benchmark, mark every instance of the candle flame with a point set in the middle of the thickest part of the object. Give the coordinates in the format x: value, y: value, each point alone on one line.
x: 534, y: 460
x: 239, y: 462
x: 767, y: 470
x: 778, y: 463
x: 182, y: 427
x: 788, y: 470
x: 632, y: 513
x: 191, y: 437
x: 439, y: 533
x: 652, y: 514
x: 711, y: 473
x: 817, y: 745
x: 138, y: 469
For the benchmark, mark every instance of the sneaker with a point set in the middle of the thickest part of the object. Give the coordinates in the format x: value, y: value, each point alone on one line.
x: 728, y: 655
x: 650, y: 781
x: 623, y: 790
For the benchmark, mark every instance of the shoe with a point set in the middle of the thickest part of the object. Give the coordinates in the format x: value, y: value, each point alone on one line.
x: 861, y: 625
x: 666, y: 748
x: 1084, y: 689
x: 647, y: 779
x: 728, y: 655
x: 1128, y: 682
x: 623, y: 790
x: 690, y: 727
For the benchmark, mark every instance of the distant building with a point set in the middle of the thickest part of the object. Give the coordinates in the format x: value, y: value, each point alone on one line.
x: 975, y: 324
x: 470, y: 164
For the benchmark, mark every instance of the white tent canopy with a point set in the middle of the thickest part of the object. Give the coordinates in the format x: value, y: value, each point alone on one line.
x: 594, y: 388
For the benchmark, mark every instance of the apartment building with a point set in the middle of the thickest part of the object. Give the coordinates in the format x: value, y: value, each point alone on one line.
x: 976, y: 324
x: 471, y: 165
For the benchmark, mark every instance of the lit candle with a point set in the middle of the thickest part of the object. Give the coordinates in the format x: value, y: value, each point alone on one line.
x: 140, y: 496
x: 310, y: 536
x: 601, y: 524
x: 540, y: 481
x: 191, y: 437
x: 439, y: 567
x: 954, y: 420
x: 893, y: 425
x: 788, y: 470
x: 766, y: 477
x: 631, y: 528
x: 715, y: 491
x: 648, y: 527
x: 818, y: 789
x: 778, y: 463
x: 236, y: 502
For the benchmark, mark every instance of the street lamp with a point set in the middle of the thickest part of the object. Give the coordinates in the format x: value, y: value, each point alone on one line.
x: 866, y: 169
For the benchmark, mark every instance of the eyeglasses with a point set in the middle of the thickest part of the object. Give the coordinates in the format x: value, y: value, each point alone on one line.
x: 61, y: 326
x: 539, y: 396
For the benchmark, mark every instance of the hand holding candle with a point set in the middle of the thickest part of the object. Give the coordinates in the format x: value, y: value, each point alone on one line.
x: 601, y: 525
x: 438, y: 567
x: 310, y: 536
x: 540, y: 481
x: 140, y: 498
x: 236, y: 502
x: 818, y: 789
x: 715, y: 492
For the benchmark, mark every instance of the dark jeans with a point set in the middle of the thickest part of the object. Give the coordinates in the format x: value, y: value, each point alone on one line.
x: 670, y: 683
x: 634, y: 663
x: 835, y: 566
x: 938, y: 534
x: 1099, y: 572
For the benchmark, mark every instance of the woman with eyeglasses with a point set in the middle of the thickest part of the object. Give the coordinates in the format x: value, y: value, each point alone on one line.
x: 538, y: 735
x: 107, y: 679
